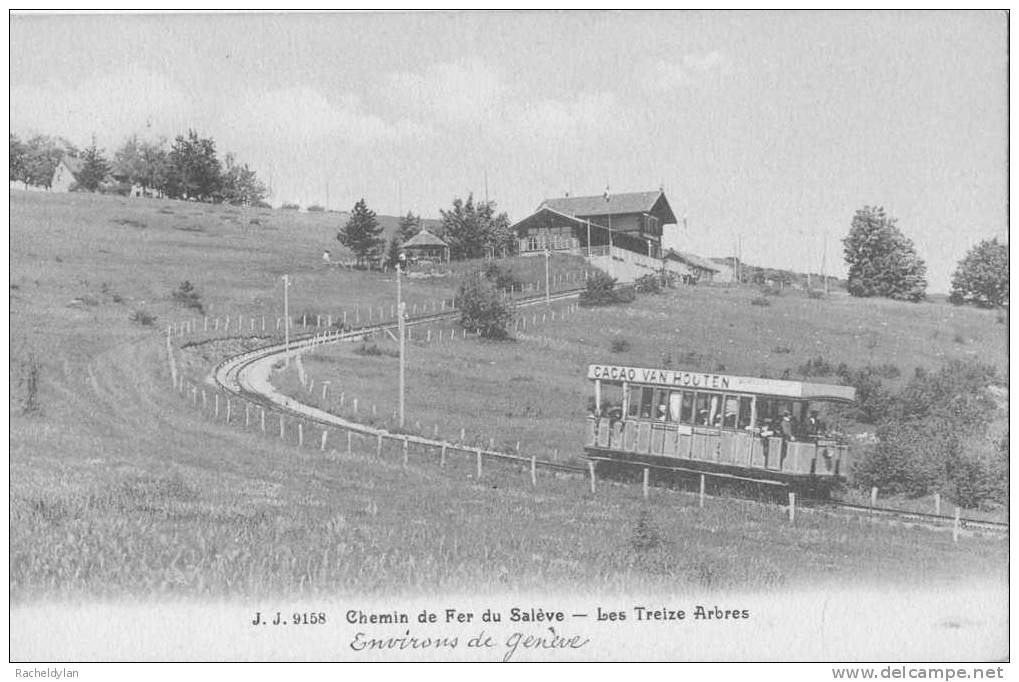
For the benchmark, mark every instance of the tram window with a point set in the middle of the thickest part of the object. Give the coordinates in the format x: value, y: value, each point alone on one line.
x: 730, y: 411
x: 612, y: 400
x: 716, y: 410
x: 686, y: 410
x: 765, y: 410
x: 675, y: 400
x: 744, y: 412
x: 703, y: 409
x: 661, y: 403
x: 634, y: 409
x: 646, y: 397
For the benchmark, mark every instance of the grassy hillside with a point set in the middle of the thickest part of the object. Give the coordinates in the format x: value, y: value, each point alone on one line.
x: 118, y: 487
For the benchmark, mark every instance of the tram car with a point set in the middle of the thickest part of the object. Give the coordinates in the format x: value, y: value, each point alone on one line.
x: 745, y: 428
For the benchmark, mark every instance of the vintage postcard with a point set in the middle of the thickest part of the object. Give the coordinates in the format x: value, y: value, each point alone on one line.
x: 576, y: 336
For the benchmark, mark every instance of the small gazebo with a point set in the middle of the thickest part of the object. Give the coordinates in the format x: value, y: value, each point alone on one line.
x: 426, y: 246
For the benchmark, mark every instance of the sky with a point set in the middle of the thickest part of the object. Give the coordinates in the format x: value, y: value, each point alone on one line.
x: 767, y: 131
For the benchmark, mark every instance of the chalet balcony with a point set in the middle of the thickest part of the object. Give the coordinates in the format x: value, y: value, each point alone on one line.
x: 539, y: 244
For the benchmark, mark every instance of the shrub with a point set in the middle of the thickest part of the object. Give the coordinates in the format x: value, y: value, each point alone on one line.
x: 502, y: 276
x: 619, y: 345
x: 763, y: 302
x: 315, y: 208
x: 291, y: 207
x: 771, y: 291
x: 885, y: 370
x: 815, y: 294
x: 649, y: 284
x: 143, y: 317
x: 261, y: 204
x: 817, y: 367
x: 483, y: 309
x: 781, y: 350
x: 601, y: 290
x: 646, y: 534
x: 188, y: 296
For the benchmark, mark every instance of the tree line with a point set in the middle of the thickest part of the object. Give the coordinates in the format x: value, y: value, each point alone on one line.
x: 186, y: 168
x: 470, y: 229
x: 883, y: 262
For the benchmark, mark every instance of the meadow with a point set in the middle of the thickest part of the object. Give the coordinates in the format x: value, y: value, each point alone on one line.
x: 119, y: 488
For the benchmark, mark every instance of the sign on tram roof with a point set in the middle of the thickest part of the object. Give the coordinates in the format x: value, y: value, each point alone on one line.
x: 680, y: 378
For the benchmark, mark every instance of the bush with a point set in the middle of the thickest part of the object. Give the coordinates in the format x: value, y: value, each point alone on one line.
x: 291, y: 207
x: 771, y: 291
x: 502, y: 276
x: 483, y: 309
x: 649, y: 284
x: 981, y: 277
x: 315, y: 208
x: 619, y: 346
x: 261, y: 204
x: 781, y: 350
x: 601, y: 290
x: 143, y: 317
x: 815, y: 294
x: 763, y: 302
x: 188, y: 296
x: 817, y: 367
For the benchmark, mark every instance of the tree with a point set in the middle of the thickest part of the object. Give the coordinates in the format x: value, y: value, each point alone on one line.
x: 42, y: 158
x: 142, y: 163
x: 241, y: 186
x: 94, y: 169
x: 982, y: 276
x: 194, y: 171
x: 361, y: 233
x: 482, y: 309
x: 882, y: 261
x: 474, y: 230
x: 393, y: 252
x: 18, y: 159
x: 410, y: 225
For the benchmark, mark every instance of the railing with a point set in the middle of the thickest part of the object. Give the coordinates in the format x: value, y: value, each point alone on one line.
x: 534, y: 244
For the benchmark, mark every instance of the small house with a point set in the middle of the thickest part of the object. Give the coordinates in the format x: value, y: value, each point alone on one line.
x: 64, y: 174
x: 692, y: 269
x: 426, y: 246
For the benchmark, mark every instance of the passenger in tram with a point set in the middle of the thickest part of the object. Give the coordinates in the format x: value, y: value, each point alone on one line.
x: 663, y: 413
x: 786, y: 426
x: 718, y: 421
x: 702, y: 418
x: 815, y: 427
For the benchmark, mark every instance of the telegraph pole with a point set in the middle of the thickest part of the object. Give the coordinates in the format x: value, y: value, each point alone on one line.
x: 286, y: 317
x: 401, y: 326
x: 548, y: 294
x: 824, y: 257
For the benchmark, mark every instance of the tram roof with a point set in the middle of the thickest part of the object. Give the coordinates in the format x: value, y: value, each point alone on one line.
x: 710, y: 381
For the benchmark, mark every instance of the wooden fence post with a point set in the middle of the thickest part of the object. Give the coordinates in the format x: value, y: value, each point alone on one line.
x: 647, y: 475
x: 247, y: 413
x: 873, y: 496
x: 325, y: 389
x: 590, y: 468
x: 405, y: 450
x: 442, y: 456
x: 792, y: 507
x: 937, y: 503
x: 300, y: 434
x: 955, y: 527
x: 227, y: 410
x: 702, y: 492
x: 534, y: 471
x: 263, y: 420
x: 378, y: 446
x: 281, y: 427
x: 205, y: 400
x: 478, y: 450
x: 349, y: 438
x: 325, y: 435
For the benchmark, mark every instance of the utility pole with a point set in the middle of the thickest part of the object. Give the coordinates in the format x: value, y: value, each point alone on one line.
x: 824, y: 256
x: 401, y: 327
x: 286, y: 317
x: 548, y: 294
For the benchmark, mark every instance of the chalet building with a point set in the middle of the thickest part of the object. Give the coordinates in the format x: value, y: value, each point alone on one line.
x: 63, y: 174
x: 426, y: 246
x: 633, y: 221
x: 691, y: 268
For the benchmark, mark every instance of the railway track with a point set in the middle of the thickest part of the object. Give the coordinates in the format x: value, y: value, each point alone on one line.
x: 246, y: 376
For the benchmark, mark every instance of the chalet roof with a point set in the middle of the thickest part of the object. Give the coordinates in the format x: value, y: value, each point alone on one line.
x: 629, y: 202
x: 691, y: 259
x: 73, y: 164
x: 424, y: 238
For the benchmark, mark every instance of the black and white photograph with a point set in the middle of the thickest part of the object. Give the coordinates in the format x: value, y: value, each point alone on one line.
x: 509, y: 336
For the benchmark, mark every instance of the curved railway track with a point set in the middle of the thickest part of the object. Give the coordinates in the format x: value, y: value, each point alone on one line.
x: 247, y: 377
